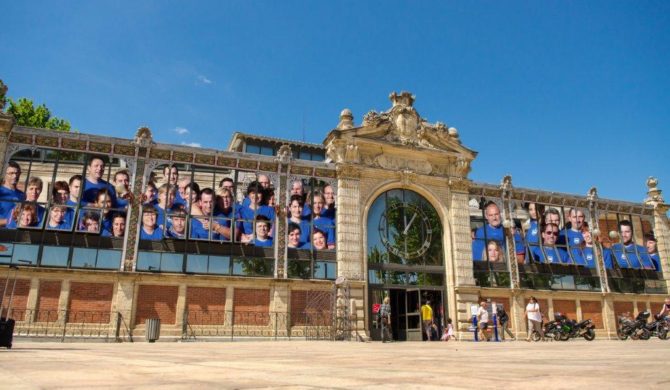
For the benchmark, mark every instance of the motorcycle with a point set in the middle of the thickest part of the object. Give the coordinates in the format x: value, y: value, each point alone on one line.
x: 635, y: 329
x: 550, y: 330
x: 658, y: 327
x: 573, y: 329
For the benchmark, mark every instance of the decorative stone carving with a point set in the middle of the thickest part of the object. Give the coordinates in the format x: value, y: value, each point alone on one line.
x: 348, y: 171
x: 352, y: 155
x: 592, y: 195
x: 462, y: 166
x: 407, y: 177
x: 6, y: 123
x: 459, y: 184
x: 284, y: 154
x: 396, y: 164
x: 143, y: 137
x: 653, y: 193
x: 346, y: 120
x: 3, y: 91
x: 506, y: 183
x: 335, y: 151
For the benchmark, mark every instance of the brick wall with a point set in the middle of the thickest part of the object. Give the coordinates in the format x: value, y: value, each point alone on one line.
x: 90, y: 302
x: 47, y: 300
x: 20, y: 300
x: 566, y: 307
x: 310, y: 307
x: 656, y: 307
x: 206, y: 305
x: 623, y: 307
x: 251, y: 306
x: 594, y: 311
x: 157, y: 302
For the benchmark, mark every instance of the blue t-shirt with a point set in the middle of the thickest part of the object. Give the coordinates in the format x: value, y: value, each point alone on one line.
x: 198, y: 230
x: 8, y: 196
x: 178, y: 200
x: 532, y: 236
x: 305, y: 228
x: 656, y: 260
x: 327, y: 226
x: 246, y: 216
x: 91, y: 191
x: 631, y: 256
x: 584, y: 257
x: 553, y: 255
x: 40, y: 214
x: 63, y: 225
x: 172, y: 234
x: 265, y: 243
x: 329, y: 213
x: 493, y: 234
x: 157, y: 235
x: 574, y: 238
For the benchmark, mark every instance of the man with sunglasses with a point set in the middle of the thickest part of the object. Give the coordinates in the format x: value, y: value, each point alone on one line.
x: 548, y: 253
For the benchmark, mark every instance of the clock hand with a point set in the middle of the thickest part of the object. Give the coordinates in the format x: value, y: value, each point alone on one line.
x: 409, y: 224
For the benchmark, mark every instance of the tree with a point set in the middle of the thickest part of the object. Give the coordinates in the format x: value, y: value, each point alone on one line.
x: 26, y: 114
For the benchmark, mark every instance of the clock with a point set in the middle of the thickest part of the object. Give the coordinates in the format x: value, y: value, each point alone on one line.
x: 405, y: 230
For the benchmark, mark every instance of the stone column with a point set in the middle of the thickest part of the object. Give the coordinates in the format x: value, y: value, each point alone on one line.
x: 31, y: 304
x: 349, y: 224
x: 661, y: 225
x: 460, y: 233
x: 518, y: 306
x: 609, y: 317
x: 180, y: 308
x: 124, y: 300
x: 64, y: 300
x: 592, y: 197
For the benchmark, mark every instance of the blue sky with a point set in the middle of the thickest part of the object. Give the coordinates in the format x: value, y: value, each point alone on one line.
x: 563, y: 95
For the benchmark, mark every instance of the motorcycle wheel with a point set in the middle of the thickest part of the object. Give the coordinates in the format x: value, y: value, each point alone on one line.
x: 564, y: 336
x: 663, y: 334
x: 620, y: 334
x: 590, y: 335
x: 646, y: 335
x: 557, y: 335
x: 535, y: 336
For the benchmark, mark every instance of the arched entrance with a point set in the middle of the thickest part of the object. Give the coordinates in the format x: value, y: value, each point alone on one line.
x: 405, y: 262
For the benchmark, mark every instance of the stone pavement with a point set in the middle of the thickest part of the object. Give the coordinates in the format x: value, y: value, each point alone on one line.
x: 323, y: 364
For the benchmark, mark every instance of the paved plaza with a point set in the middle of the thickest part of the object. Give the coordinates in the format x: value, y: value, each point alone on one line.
x: 323, y: 364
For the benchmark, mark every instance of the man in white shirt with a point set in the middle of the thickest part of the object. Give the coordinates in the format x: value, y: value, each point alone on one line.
x: 483, y: 321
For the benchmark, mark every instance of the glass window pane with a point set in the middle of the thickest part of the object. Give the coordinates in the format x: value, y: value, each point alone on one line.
x: 305, y: 155
x: 84, y: 257
x: 148, y: 261
x: 6, y: 252
x: 219, y: 265
x: 253, y: 149
x: 171, y: 262
x: 267, y: 151
x: 109, y: 259
x: 55, y: 256
x: 317, y: 156
x: 26, y: 253
x: 196, y: 264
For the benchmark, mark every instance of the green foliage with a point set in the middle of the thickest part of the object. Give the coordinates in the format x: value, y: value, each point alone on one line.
x: 26, y: 114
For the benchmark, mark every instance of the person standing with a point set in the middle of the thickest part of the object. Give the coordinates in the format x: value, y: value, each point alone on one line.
x: 427, y: 319
x: 483, y: 321
x: 385, y: 317
x: 534, y: 318
x: 503, y: 318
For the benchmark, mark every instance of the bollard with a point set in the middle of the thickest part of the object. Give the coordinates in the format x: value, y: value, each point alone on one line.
x: 153, y: 329
x: 474, y: 325
x: 495, y: 327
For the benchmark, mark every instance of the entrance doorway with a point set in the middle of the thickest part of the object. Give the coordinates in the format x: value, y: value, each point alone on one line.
x: 406, y: 324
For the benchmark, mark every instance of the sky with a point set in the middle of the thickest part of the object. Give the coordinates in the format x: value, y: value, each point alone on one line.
x: 562, y: 95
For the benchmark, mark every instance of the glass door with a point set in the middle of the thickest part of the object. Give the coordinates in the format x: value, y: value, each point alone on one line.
x: 413, y: 316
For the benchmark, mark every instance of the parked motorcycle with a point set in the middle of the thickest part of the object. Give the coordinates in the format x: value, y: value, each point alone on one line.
x: 572, y: 329
x: 550, y: 330
x: 635, y: 329
x: 658, y: 327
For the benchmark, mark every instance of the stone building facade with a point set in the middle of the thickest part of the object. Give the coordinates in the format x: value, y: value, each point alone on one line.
x: 406, y: 213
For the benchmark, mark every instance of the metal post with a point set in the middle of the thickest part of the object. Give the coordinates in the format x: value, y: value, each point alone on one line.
x: 474, y: 323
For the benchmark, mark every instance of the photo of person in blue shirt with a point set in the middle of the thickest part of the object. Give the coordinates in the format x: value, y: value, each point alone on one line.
x: 263, y: 227
x: 150, y: 230
x: 9, y: 194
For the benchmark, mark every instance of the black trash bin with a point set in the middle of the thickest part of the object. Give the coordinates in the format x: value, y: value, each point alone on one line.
x: 153, y: 329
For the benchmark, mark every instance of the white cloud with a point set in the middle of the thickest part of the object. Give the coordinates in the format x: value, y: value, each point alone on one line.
x: 181, y: 130
x: 192, y: 144
x: 202, y: 79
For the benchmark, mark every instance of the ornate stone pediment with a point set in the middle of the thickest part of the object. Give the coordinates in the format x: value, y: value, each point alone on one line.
x: 399, y: 139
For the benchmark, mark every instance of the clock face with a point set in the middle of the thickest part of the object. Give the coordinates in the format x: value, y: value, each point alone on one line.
x: 405, y: 230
